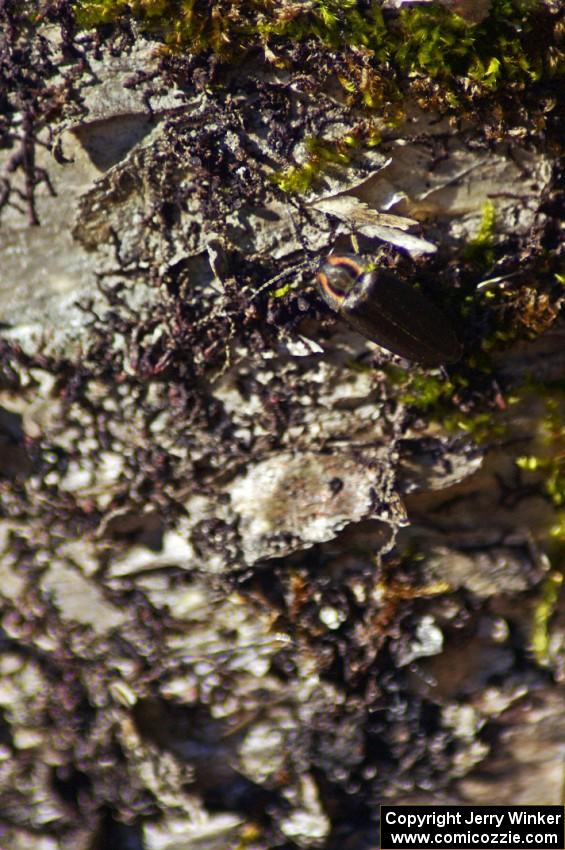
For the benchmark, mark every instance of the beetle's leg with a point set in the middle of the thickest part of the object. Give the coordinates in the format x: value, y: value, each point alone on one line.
x: 354, y: 243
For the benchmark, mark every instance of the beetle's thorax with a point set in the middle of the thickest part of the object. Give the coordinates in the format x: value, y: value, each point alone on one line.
x: 337, y: 276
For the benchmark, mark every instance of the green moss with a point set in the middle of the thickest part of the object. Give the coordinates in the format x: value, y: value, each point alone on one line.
x: 499, y: 50
x: 483, y: 426
x: 320, y: 156
x: 557, y: 530
x: 543, y: 467
x: 182, y: 24
x: 436, y: 42
x: 480, y: 249
x: 438, y: 398
x: 378, y: 56
x: 426, y: 390
x: 543, y: 612
x: 549, y: 457
x: 296, y: 178
x: 471, y: 58
x: 335, y: 23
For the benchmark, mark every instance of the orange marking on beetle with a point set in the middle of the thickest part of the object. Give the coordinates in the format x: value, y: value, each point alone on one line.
x: 338, y: 260
x: 325, y: 284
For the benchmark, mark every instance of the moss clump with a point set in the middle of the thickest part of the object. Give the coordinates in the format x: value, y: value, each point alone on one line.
x: 480, y: 249
x: 189, y: 25
x: 442, y: 45
x: 426, y: 391
x: 223, y: 27
x: 437, y: 42
x: 320, y: 155
x: 543, y: 612
x: 549, y: 459
x: 445, y: 401
x: 335, y: 23
x: 378, y: 58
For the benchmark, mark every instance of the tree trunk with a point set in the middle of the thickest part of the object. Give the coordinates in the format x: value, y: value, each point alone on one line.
x: 267, y: 565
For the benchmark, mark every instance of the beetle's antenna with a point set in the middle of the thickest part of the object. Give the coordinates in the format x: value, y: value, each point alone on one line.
x: 286, y: 273
x: 304, y: 264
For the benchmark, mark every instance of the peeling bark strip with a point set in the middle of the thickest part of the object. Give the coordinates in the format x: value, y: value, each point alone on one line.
x: 258, y: 575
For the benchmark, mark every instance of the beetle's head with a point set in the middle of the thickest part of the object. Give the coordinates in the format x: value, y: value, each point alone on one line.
x: 337, y: 275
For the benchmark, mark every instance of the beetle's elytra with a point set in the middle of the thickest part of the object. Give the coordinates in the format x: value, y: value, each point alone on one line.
x: 387, y: 311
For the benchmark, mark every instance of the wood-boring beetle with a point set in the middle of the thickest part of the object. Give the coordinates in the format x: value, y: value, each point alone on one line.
x: 387, y: 311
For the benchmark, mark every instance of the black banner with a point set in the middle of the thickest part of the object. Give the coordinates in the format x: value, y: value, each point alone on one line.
x: 472, y: 827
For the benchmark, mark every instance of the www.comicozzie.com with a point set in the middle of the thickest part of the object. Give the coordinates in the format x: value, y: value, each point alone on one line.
x: 460, y: 827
